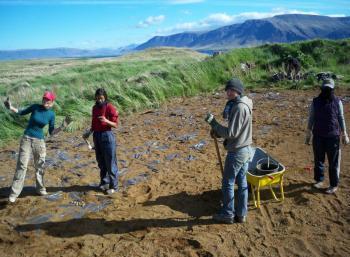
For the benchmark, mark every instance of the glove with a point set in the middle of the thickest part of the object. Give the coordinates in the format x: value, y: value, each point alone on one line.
x: 87, y: 134
x: 345, y: 139
x: 308, y: 137
x: 209, y: 118
x: 7, y: 103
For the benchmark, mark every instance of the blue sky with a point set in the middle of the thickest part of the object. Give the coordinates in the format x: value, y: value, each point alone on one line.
x: 36, y: 24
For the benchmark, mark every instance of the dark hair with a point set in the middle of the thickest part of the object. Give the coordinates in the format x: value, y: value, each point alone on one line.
x: 101, y: 91
x: 327, y: 93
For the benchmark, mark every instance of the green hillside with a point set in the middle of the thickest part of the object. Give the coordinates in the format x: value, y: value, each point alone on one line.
x: 148, y: 78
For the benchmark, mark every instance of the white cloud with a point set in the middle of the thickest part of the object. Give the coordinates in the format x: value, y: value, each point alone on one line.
x: 216, y: 20
x: 151, y: 20
x: 336, y: 15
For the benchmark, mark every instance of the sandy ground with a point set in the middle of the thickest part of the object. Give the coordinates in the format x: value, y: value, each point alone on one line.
x: 170, y: 187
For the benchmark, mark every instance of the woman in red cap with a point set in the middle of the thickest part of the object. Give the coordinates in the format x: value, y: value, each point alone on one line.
x: 33, y: 141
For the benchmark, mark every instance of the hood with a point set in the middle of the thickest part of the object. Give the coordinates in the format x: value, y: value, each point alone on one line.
x: 246, y: 101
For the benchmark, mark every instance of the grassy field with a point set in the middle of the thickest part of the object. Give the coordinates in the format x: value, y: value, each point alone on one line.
x: 146, y: 79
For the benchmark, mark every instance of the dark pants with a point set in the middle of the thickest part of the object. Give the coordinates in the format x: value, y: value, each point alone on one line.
x: 105, y: 149
x: 323, y: 146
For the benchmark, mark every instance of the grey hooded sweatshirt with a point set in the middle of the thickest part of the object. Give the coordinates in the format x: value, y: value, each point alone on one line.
x: 239, y: 131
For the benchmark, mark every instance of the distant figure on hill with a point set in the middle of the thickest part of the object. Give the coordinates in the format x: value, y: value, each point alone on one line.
x: 33, y: 142
x: 104, y: 118
x: 326, y: 123
x: 293, y: 67
x: 246, y: 67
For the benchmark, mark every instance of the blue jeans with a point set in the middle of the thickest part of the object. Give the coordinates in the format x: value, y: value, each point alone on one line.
x: 236, y: 167
x: 323, y: 146
x: 105, y: 150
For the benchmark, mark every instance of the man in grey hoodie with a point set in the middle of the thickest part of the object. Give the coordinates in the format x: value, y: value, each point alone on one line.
x: 238, y: 138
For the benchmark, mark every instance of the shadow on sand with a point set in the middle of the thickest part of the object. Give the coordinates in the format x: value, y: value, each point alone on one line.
x: 198, y: 207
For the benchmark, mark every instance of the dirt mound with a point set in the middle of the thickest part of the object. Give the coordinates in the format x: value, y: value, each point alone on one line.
x: 170, y: 187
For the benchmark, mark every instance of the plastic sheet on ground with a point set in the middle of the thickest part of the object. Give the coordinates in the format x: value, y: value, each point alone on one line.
x: 54, y: 197
x: 60, y: 156
x: 80, y: 165
x: 172, y: 156
x: 190, y: 158
x: 273, y: 96
x: 153, y: 165
x: 346, y: 99
x: 79, y: 145
x: 65, y: 180
x: 14, y: 155
x: 265, y: 129
x: 94, y: 207
x: 156, y: 145
x: 136, y: 180
x: 63, y: 156
x: 76, y: 195
x: 252, y: 95
x: 40, y: 219
x: 200, y: 145
x: 122, y: 171
x: 139, y: 152
x: 122, y: 163
x: 148, y: 122
x: 186, y: 138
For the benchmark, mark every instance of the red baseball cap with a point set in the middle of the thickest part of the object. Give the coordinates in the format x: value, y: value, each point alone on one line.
x: 49, y: 96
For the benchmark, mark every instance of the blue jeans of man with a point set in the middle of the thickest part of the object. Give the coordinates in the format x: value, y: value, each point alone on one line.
x: 105, y: 150
x: 236, y: 167
x: 323, y: 146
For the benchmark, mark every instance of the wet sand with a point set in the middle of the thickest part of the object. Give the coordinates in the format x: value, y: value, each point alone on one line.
x: 170, y: 187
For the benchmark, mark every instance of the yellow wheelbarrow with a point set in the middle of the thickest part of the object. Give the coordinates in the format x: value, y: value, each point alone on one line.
x: 258, y: 180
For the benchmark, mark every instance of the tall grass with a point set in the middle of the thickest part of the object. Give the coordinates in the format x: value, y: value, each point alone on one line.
x: 146, y: 79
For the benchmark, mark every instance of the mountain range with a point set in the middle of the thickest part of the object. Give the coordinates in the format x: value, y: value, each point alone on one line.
x: 278, y: 29
x: 63, y: 53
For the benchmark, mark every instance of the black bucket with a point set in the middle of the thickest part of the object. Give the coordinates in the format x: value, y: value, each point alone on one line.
x: 265, y: 167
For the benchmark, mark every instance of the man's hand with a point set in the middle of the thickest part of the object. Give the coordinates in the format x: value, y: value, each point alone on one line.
x: 87, y: 134
x: 345, y: 139
x: 209, y: 118
x: 308, y: 137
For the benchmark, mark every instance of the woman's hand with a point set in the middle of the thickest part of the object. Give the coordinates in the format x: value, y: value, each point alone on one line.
x: 7, y: 103
x: 9, y: 106
x: 103, y: 119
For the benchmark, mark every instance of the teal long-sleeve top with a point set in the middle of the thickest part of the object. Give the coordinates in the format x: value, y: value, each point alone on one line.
x: 39, y: 118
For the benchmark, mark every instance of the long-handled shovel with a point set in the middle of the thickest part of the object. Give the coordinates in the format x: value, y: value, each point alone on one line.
x: 218, y: 154
x: 89, y: 145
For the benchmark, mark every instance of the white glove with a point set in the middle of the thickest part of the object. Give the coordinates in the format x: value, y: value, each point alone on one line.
x: 209, y: 118
x: 308, y: 137
x: 345, y: 139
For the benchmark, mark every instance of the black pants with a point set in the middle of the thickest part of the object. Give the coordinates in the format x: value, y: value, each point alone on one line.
x: 323, y: 146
